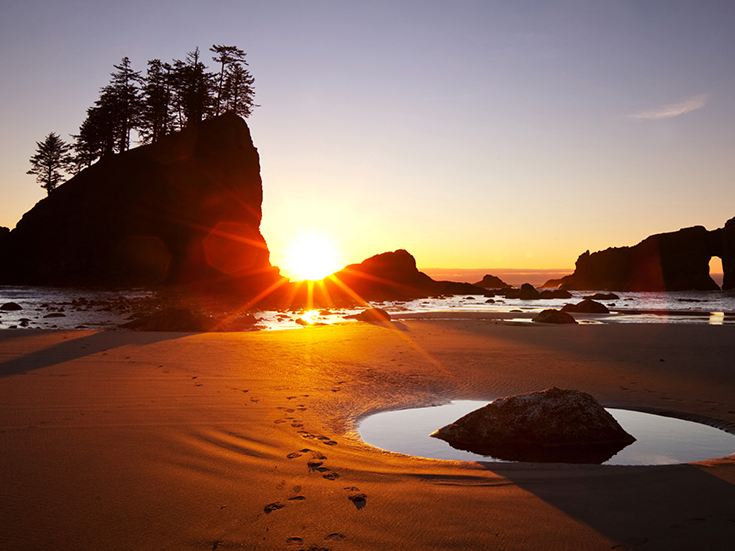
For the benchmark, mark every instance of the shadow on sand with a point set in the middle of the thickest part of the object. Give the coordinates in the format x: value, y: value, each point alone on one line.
x: 76, y: 345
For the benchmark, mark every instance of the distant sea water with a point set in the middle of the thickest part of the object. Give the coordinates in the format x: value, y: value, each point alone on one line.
x: 69, y: 309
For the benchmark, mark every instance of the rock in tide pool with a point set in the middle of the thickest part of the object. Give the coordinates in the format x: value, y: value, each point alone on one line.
x: 554, y: 425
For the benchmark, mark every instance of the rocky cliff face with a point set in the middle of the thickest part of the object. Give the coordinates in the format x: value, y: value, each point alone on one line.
x: 676, y: 261
x: 186, y: 209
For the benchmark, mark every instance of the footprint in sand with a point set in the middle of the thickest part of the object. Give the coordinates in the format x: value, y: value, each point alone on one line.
x: 335, y: 537
x: 254, y: 400
x: 314, y: 465
x: 330, y: 476
x: 297, y: 498
x: 293, y: 455
x: 273, y: 507
x: 294, y: 541
x: 281, y: 485
x: 359, y: 500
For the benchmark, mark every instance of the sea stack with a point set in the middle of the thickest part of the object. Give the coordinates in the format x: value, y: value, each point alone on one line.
x: 186, y: 209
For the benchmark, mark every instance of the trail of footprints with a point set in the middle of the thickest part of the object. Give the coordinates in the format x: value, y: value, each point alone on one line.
x: 314, y: 460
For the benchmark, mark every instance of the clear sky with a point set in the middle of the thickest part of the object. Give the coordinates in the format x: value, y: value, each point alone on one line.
x: 508, y: 134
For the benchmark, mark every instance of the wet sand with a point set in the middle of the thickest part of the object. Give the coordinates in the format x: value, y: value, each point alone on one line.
x: 121, y: 440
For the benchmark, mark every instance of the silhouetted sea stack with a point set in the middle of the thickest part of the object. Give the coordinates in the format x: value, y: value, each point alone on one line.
x: 492, y: 282
x: 675, y: 261
x: 384, y: 277
x: 184, y: 210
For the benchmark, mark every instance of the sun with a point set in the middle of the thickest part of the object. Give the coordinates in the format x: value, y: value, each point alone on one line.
x: 312, y: 257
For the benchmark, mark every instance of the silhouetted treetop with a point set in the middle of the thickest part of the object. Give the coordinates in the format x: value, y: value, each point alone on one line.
x: 170, y: 97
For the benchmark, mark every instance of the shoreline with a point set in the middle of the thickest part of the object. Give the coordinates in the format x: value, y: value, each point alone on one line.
x: 120, y: 440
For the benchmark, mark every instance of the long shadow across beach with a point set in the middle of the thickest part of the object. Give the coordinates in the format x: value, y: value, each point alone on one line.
x: 73, y: 347
x: 653, y: 508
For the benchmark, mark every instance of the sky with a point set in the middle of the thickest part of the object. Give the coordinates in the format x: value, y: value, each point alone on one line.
x: 474, y: 134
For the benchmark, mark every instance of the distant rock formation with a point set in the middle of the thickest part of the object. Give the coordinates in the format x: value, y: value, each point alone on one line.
x: 186, y: 209
x: 551, y: 425
x: 387, y: 276
x: 491, y: 282
x: 675, y: 261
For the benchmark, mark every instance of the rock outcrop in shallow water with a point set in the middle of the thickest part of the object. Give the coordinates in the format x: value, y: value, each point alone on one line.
x: 186, y: 209
x: 388, y: 276
x: 553, y: 425
x: 675, y: 261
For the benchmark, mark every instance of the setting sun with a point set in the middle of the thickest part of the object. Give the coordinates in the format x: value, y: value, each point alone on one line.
x: 312, y: 257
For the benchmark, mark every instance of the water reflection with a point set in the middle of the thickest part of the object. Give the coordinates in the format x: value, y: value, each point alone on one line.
x: 717, y: 318
x: 659, y: 440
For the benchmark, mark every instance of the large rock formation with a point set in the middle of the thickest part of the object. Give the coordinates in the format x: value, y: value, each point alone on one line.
x: 553, y: 425
x: 492, y: 282
x: 186, y: 209
x: 675, y: 261
x: 386, y: 276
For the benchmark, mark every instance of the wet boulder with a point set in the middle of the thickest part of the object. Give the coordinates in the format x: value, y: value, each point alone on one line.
x: 371, y: 314
x: 587, y: 306
x: 553, y: 425
x: 553, y: 316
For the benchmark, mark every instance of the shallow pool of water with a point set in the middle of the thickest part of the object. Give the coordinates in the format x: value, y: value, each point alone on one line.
x: 659, y: 440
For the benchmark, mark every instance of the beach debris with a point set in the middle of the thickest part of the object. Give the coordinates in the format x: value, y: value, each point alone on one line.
x: 587, y: 306
x: 553, y: 316
x: 553, y: 425
x: 371, y: 314
x: 11, y: 306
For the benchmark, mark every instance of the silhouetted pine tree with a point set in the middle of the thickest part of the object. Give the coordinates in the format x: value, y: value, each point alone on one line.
x: 51, y: 159
x: 239, y: 91
x: 125, y: 95
x: 192, y: 90
x: 156, y: 116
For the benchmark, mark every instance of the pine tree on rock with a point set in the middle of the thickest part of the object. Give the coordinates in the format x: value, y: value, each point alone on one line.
x: 51, y: 159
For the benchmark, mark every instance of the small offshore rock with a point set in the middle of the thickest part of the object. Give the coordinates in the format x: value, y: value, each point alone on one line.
x: 603, y: 296
x: 587, y: 306
x: 553, y: 316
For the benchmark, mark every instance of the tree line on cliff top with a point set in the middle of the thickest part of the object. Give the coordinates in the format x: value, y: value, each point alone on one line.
x: 168, y: 98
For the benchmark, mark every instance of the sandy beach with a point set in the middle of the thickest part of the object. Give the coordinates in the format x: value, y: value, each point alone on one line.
x: 172, y: 441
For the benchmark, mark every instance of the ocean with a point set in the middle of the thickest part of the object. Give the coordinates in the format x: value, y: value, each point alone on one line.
x: 84, y: 309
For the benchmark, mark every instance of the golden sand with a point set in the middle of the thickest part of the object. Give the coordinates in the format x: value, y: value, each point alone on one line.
x: 136, y: 441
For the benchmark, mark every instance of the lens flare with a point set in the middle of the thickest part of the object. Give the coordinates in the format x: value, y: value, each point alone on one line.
x: 312, y: 257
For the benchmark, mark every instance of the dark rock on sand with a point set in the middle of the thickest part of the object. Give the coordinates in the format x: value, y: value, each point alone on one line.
x: 553, y: 316
x: 587, y: 306
x: 371, y: 314
x: 11, y: 306
x: 185, y: 209
x: 491, y: 282
x: 553, y: 425
x: 175, y: 318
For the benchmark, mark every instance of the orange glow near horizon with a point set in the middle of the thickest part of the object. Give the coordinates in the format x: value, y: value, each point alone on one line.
x: 312, y: 257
